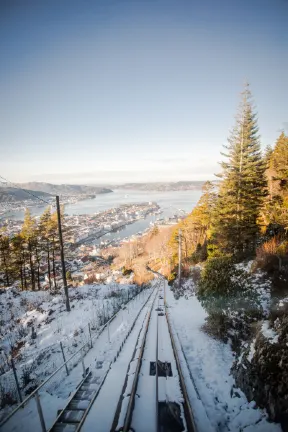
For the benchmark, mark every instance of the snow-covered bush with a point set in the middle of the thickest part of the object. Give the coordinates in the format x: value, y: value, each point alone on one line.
x: 224, y: 286
x: 227, y: 293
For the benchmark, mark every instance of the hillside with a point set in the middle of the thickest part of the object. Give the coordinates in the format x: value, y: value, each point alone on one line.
x: 9, y: 194
x: 162, y: 186
x: 63, y: 189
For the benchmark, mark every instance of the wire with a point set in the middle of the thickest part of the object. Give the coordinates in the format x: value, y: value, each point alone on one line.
x: 24, y: 190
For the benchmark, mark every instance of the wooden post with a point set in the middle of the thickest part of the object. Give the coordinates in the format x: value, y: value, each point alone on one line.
x: 16, y: 379
x: 67, y: 371
x: 179, y: 259
x: 62, y: 255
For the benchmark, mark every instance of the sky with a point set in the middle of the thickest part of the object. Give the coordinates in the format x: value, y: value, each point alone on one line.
x: 100, y: 91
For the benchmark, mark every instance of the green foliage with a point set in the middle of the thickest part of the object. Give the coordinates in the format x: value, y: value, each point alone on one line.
x: 200, y: 253
x: 68, y: 275
x: 243, y: 185
x: 224, y: 288
x: 126, y: 271
x: 279, y: 159
x: 22, y: 254
x: 195, y: 228
x: 275, y: 210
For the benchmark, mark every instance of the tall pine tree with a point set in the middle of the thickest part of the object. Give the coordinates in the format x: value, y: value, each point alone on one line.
x: 243, y: 185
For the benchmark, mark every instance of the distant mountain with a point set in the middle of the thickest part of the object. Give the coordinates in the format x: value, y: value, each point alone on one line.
x: 9, y: 194
x: 162, y: 186
x: 64, y: 189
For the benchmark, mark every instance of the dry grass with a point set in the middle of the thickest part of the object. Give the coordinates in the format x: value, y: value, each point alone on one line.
x: 271, y: 253
x: 151, y: 249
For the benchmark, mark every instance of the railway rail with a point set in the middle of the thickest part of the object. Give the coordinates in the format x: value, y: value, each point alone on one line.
x: 151, y: 397
x: 73, y: 415
x: 154, y: 397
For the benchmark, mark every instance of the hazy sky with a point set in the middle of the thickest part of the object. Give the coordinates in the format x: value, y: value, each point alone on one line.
x: 115, y: 91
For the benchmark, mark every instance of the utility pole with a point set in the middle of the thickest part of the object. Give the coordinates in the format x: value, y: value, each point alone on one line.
x: 179, y: 259
x: 62, y: 255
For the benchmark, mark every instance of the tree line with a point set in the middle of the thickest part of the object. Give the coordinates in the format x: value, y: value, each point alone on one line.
x: 248, y: 203
x: 23, y: 254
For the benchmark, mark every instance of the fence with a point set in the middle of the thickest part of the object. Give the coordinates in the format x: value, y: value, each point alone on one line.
x: 13, y: 380
x: 21, y: 380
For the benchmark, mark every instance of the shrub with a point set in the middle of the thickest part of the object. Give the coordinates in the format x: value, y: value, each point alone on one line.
x: 272, y: 255
x: 126, y: 271
x: 200, y: 254
x: 224, y: 288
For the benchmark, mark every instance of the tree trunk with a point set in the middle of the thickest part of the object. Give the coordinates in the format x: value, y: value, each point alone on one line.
x: 38, y: 276
x: 21, y: 277
x: 6, y: 269
x: 31, y: 268
x: 24, y: 271
x: 54, y: 269
x: 49, y: 267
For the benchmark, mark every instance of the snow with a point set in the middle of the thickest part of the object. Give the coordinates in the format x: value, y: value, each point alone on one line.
x: 251, y: 351
x: 269, y: 333
x: 216, y: 402
x: 112, y: 389
x: 105, y: 349
x: 209, y: 361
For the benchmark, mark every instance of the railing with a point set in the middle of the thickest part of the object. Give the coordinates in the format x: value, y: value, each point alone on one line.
x: 80, y: 353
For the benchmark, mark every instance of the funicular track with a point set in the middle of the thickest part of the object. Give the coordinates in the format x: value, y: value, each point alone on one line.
x: 168, y: 415
x: 71, y: 418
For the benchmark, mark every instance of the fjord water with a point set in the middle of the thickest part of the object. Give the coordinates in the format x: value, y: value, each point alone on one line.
x: 170, y: 203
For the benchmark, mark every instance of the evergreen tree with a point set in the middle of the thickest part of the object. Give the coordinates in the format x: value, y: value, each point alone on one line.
x: 267, y: 155
x: 19, y: 255
x: 275, y: 212
x: 279, y: 160
x: 29, y: 234
x: 243, y: 185
x: 196, y: 227
x: 5, y: 256
x: 43, y: 232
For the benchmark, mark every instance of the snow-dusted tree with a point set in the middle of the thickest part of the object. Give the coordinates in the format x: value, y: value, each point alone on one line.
x: 243, y: 185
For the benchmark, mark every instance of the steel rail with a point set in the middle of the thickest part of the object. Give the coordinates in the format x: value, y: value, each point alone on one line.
x: 33, y: 394
x: 129, y: 412
x: 101, y: 383
x: 191, y: 425
x: 156, y: 372
x: 189, y: 416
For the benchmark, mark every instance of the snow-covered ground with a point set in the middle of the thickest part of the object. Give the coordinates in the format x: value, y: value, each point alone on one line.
x: 209, y: 362
x: 55, y: 393
x: 217, y: 403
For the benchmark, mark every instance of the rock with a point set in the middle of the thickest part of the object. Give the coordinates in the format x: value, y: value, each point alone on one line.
x: 264, y: 377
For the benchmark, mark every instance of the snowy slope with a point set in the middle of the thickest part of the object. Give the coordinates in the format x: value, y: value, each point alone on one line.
x: 209, y: 362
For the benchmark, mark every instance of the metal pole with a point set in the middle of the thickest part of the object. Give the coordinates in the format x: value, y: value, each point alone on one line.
x: 179, y: 259
x: 62, y: 255
x: 83, y: 365
x: 61, y: 346
x: 40, y: 412
x: 16, y: 379
x: 90, y: 335
x: 108, y: 328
